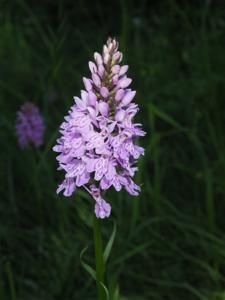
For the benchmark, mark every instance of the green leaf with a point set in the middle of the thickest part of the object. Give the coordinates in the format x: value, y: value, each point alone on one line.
x: 87, y: 267
x: 110, y: 243
x: 106, y: 290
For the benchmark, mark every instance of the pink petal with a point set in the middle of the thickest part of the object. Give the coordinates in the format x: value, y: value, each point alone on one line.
x: 124, y: 82
x: 128, y: 98
x: 119, y: 94
x: 92, y: 67
x: 123, y: 70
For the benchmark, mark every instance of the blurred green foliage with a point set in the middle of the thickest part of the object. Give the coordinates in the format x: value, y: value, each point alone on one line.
x: 170, y: 241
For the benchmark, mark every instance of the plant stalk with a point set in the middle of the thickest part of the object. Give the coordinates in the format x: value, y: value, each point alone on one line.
x: 99, y: 262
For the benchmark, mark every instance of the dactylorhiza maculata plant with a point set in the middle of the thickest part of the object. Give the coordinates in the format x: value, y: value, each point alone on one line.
x: 29, y: 126
x: 97, y: 149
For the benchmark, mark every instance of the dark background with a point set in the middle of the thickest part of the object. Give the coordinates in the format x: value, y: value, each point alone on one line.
x: 170, y: 240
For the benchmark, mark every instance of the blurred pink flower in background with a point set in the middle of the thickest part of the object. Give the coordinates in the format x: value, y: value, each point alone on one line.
x: 29, y: 126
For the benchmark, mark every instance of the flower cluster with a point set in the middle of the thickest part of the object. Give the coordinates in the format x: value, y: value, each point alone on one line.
x: 97, y: 149
x: 29, y: 126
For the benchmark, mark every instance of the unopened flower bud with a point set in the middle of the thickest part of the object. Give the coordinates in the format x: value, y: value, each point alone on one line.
x: 123, y: 70
x: 105, y: 49
x: 96, y: 79
x: 101, y: 70
x: 103, y: 108
x: 106, y: 58
x: 117, y: 56
x: 115, y: 79
x: 124, y: 82
x: 87, y: 84
x: 110, y: 46
x: 104, y: 92
x: 98, y: 58
x: 92, y: 67
x: 120, y: 115
x: 115, y: 69
x: 92, y: 98
x: 119, y: 94
x: 128, y: 98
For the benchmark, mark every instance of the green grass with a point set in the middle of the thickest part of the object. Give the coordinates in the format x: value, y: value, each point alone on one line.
x: 170, y: 241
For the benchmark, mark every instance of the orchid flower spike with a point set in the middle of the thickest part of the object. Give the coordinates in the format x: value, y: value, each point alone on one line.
x: 96, y: 147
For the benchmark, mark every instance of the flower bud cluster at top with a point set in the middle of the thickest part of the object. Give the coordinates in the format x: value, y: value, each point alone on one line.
x: 96, y: 146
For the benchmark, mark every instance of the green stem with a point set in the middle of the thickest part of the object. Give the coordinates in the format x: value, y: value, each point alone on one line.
x: 99, y: 262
